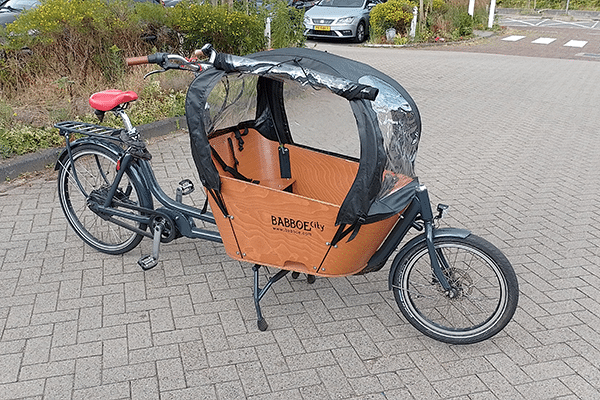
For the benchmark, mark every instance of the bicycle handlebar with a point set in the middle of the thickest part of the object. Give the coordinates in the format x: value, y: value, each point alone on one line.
x: 173, y: 61
x: 137, y: 60
x: 166, y: 61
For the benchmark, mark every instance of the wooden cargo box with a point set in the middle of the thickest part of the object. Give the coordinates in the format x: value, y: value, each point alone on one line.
x: 289, y: 223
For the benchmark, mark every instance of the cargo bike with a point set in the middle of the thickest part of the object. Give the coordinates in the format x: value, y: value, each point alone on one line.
x: 281, y: 203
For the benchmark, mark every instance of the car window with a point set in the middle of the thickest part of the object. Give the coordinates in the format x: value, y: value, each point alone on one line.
x: 342, y: 3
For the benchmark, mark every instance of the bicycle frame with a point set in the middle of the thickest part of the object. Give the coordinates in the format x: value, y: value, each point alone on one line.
x: 418, y: 209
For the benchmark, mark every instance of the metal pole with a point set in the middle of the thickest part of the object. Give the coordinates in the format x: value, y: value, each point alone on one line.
x: 268, y: 32
x: 492, y: 12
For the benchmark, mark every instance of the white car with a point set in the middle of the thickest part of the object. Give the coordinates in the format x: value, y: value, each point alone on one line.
x: 339, y: 19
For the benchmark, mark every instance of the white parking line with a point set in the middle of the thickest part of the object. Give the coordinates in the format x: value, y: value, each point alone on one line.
x: 513, y: 38
x: 555, y: 23
x: 504, y: 21
x: 576, y: 43
x: 544, y: 40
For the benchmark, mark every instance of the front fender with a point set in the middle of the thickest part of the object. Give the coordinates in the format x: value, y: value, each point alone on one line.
x: 437, y: 233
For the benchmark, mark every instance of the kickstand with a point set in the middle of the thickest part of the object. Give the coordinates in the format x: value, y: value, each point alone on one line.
x: 150, y: 261
x: 259, y: 293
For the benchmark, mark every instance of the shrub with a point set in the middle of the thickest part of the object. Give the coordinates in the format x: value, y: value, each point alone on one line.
x: 21, y: 139
x: 589, y: 5
x: 463, y: 24
x: 395, y: 14
x: 227, y: 30
x: 54, y: 56
x: 76, y: 39
x: 287, y: 26
x: 449, y: 19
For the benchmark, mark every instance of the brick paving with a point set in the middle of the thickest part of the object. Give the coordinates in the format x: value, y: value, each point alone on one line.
x: 510, y: 142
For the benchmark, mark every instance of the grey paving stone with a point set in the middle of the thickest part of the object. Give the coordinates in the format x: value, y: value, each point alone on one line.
x: 11, y: 366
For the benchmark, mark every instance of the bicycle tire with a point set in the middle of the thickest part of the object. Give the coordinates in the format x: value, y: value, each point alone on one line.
x: 486, y: 294
x: 95, y: 167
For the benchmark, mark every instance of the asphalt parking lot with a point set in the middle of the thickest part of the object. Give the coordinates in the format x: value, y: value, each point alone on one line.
x: 510, y: 142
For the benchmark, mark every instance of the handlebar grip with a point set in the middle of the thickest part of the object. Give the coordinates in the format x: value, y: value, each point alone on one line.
x: 137, y: 60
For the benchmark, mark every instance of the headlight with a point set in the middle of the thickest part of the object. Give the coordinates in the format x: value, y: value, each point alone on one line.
x: 347, y: 20
x: 307, y: 20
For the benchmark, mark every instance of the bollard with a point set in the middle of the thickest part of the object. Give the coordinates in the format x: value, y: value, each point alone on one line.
x: 268, y: 32
x: 413, y: 23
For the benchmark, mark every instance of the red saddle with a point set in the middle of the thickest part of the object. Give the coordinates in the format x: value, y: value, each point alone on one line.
x: 109, y: 99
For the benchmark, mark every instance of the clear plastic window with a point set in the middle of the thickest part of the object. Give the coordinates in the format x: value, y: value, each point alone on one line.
x: 232, y: 101
x: 321, y: 119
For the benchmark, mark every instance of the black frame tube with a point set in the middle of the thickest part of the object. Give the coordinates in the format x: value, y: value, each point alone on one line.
x: 390, y: 244
x: 164, y: 199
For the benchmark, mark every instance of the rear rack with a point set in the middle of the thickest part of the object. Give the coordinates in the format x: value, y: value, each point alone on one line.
x: 83, y: 128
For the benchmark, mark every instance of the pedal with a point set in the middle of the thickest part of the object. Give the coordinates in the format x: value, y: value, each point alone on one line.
x: 147, y: 262
x: 150, y: 261
x: 185, y: 187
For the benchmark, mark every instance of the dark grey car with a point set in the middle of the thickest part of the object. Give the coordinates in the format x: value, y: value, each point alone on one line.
x: 10, y: 9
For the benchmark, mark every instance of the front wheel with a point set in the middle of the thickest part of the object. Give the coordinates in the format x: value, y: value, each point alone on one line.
x: 484, y: 291
x: 95, y: 167
x: 361, y: 33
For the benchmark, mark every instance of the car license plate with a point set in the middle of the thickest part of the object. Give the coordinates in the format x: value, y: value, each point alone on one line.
x: 322, y: 28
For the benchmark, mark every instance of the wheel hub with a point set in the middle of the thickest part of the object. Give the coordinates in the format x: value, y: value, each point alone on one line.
x: 461, y: 283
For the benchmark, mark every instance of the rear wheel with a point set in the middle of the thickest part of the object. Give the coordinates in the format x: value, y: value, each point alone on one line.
x: 96, y: 168
x: 484, y: 291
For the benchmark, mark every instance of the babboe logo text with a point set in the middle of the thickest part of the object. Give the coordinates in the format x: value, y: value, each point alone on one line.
x: 292, y: 223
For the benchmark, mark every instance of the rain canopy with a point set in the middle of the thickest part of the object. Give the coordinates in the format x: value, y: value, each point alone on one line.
x: 386, y: 117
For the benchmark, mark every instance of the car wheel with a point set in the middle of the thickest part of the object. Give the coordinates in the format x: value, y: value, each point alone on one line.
x: 360, y: 32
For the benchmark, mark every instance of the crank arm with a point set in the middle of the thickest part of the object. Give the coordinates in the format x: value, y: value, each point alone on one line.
x: 150, y: 261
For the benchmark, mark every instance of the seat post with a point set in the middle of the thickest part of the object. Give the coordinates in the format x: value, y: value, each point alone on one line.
x: 131, y: 130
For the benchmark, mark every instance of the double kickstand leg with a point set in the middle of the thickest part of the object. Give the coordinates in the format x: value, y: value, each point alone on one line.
x: 259, y: 293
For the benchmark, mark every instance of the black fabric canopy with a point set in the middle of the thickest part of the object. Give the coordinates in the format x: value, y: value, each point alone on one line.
x: 365, y: 201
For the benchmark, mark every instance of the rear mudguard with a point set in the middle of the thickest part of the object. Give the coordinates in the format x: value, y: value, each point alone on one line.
x: 118, y: 152
x: 437, y: 233
x: 111, y: 147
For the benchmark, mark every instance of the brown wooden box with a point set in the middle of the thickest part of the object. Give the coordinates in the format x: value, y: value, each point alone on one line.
x: 289, y: 223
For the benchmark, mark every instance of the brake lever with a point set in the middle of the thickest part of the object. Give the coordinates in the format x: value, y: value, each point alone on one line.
x: 156, y: 71
x: 167, y: 66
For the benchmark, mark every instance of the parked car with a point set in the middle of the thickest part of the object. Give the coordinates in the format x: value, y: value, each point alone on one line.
x: 339, y: 19
x: 10, y: 9
x: 302, y: 4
